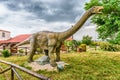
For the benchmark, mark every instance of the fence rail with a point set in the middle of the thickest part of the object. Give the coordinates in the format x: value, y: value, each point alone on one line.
x: 13, y: 68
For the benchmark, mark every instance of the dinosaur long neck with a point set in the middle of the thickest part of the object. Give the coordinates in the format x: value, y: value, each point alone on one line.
x: 64, y: 35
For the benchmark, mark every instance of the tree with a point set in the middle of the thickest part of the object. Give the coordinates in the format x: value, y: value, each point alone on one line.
x: 72, y: 44
x: 108, y: 23
x: 68, y: 44
x: 76, y: 44
x: 87, y: 40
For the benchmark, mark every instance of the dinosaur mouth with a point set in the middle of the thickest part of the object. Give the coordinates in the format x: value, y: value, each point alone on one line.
x: 100, y: 9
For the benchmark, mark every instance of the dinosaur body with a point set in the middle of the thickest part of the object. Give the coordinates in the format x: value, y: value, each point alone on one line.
x: 45, y: 40
x: 52, y: 41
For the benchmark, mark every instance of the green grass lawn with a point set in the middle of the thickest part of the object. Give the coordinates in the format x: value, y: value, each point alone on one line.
x: 83, y: 66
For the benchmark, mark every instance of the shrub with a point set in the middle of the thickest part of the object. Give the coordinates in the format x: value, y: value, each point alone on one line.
x: 109, y: 47
x: 94, y: 43
x: 6, y: 53
x: 39, y: 50
x: 83, y: 47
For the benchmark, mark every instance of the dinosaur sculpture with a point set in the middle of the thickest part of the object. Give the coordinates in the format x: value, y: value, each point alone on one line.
x: 51, y: 41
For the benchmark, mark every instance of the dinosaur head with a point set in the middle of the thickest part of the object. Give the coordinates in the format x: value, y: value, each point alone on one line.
x: 96, y: 9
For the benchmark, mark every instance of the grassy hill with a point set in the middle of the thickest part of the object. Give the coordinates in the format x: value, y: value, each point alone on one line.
x: 83, y: 66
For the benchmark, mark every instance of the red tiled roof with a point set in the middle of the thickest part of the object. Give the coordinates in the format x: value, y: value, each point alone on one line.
x: 19, y: 38
x: 16, y: 39
x: 3, y: 41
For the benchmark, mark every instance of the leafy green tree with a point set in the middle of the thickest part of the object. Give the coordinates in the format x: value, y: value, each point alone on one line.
x: 72, y: 44
x: 116, y: 40
x: 108, y: 23
x: 68, y: 44
x: 87, y: 40
x: 75, y: 44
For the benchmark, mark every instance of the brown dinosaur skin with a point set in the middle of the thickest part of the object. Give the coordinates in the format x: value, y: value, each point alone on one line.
x: 52, y: 41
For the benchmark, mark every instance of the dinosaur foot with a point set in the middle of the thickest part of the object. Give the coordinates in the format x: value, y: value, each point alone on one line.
x: 57, y: 60
x: 53, y: 64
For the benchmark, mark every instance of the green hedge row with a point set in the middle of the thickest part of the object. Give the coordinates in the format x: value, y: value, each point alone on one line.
x: 109, y: 47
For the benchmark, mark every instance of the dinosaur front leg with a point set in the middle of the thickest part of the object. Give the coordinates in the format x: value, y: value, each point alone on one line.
x: 52, y: 57
x: 32, y: 50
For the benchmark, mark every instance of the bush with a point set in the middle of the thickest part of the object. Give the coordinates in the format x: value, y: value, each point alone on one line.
x: 94, y: 43
x: 109, y: 47
x: 6, y: 53
x: 39, y: 50
x: 83, y: 47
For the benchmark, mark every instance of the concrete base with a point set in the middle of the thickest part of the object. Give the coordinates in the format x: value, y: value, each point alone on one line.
x: 36, y: 66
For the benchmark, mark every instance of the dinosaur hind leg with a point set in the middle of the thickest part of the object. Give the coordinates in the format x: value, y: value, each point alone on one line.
x: 58, y: 54
x: 46, y: 52
x: 52, y: 57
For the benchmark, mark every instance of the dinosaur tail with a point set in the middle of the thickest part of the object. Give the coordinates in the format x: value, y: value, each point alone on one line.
x: 22, y: 43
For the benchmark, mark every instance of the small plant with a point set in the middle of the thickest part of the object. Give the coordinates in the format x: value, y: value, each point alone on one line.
x: 6, y: 53
x: 21, y: 51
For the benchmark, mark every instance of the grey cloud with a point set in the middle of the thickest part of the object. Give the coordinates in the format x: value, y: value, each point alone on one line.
x: 28, y: 16
x: 3, y: 0
x: 61, y: 10
x: 15, y: 4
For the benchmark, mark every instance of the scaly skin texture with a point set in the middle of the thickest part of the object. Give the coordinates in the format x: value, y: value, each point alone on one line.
x: 51, y: 41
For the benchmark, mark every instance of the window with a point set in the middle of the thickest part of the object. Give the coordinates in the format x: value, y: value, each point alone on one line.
x: 3, y: 34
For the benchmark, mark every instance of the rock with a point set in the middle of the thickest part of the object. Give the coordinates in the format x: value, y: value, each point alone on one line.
x: 43, y: 60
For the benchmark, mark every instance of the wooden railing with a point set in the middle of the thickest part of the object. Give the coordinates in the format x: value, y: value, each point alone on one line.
x: 13, y: 68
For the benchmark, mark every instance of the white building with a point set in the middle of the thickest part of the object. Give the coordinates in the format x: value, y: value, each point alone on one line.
x: 86, y: 30
x: 4, y: 35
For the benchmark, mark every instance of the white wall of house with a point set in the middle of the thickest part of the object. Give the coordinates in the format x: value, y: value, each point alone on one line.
x: 4, y: 35
x: 87, y: 30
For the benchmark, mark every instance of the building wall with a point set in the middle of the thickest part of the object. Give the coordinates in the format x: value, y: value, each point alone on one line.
x: 87, y: 30
x: 4, y: 35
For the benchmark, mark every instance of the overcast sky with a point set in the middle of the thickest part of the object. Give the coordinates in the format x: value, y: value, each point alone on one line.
x: 29, y: 16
